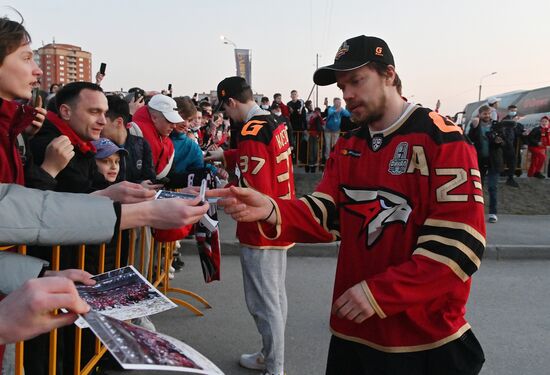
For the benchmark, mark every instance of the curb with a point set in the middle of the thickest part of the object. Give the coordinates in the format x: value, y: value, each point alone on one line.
x: 501, y: 252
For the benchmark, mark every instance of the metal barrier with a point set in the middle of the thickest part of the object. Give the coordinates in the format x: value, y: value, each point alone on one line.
x: 156, y: 272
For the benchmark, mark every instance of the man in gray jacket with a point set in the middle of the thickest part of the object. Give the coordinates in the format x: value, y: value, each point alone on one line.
x: 29, y: 216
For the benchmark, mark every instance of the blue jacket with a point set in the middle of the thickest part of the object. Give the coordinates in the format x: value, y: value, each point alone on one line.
x: 334, y: 118
x: 187, y: 153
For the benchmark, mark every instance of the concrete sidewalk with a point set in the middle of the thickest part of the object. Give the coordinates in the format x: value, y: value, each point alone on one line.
x: 512, y: 237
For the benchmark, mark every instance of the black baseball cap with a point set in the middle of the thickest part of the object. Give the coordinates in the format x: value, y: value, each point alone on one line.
x: 352, y: 54
x: 230, y: 87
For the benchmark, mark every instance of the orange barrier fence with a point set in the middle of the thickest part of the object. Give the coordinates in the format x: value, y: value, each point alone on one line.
x: 153, y: 263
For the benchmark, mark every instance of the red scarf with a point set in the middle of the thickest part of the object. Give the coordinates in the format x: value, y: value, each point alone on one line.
x: 65, y: 129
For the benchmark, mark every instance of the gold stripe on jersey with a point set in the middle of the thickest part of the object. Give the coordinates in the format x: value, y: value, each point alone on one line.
x: 457, y: 245
x: 269, y: 247
x: 475, y: 172
x: 444, y: 260
x: 404, y: 349
x: 278, y: 221
x: 323, y: 196
x: 456, y: 225
x: 479, y: 199
x: 324, y: 213
x: 454, y: 243
x: 283, y: 177
x: 372, y: 300
x: 282, y: 156
x: 394, y: 127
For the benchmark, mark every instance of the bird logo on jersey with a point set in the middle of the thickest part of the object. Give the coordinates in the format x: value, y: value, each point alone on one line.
x: 378, y: 209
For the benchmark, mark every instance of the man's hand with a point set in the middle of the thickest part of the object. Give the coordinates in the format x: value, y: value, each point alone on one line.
x: 244, y: 204
x: 222, y: 173
x: 38, y: 121
x: 163, y: 213
x: 78, y: 276
x: 214, y: 155
x: 28, y: 311
x: 176, y: 212
x: 147, y: 184
x: 98, y: 78
x: 136, y: 104
x: 59, y: 153
x: 126, y: 192
x: 475, y: 122
x: 353, y: 305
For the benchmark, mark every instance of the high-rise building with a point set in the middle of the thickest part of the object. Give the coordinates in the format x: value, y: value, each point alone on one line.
x: 63, y: 63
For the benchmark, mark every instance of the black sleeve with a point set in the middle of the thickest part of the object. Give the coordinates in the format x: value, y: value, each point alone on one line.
x: 118, y: 212
x: 35, y: 176
x: 147, y: 160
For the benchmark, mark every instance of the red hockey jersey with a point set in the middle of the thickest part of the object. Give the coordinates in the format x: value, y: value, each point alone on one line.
x: 407, y: 204
x: 265, y: 164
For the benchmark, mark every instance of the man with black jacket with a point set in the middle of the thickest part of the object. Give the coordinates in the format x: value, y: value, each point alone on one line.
x: 512, y: 135
x: 489, y: 147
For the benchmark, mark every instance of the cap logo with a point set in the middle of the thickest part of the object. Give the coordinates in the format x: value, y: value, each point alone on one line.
x: 223, y: 92
x: 342, y: 50
x: 378, y: 51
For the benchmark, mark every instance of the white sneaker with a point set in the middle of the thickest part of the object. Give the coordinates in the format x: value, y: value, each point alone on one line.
x: 254, y: 361
x: 493, y: 218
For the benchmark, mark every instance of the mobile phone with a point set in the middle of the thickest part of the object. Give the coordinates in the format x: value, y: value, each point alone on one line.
x: 36, y: 99
x: 169, y: 87
x: 102, y: 68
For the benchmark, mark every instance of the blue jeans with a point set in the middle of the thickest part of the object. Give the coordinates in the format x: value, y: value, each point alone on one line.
x: 490, y: 176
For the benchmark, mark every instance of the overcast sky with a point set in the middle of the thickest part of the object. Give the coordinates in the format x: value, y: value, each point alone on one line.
x: 441, y: 48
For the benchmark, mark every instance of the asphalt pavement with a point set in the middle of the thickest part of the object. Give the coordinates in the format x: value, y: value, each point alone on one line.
x: 508, y: 310
x: 508, y: 306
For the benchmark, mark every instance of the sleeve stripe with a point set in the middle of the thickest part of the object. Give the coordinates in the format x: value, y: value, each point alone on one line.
x: 446, y: 261
x: 456, y: 225
x: 454, y: 243
x: 283, y: 177
x: 324, y: 196
x: 372, y: 300
x: 324, y: 213
x: 478, y: 199
x: 311, y: 210
x: 453, y: 254
x: 459, y: 235
x: 277, y: 223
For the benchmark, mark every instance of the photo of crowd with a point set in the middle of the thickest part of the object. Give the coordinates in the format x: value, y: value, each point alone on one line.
x: 124, y: 294
x: 140, y: 349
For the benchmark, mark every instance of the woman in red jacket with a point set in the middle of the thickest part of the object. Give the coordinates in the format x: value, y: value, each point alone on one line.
x: 538, y: 140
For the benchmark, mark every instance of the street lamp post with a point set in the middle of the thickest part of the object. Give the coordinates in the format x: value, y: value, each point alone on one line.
x: 480, y: 83
x: 225, y: 40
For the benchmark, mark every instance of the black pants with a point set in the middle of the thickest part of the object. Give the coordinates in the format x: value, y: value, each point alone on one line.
x: 462, y: 356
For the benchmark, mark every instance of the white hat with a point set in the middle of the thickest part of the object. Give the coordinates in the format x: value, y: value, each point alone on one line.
x: 167, y: 106
x: 492, y: 100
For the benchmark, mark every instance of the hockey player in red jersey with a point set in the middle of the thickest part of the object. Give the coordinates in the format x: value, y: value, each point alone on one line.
x: 264, y: 164
x: 403, y: 194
